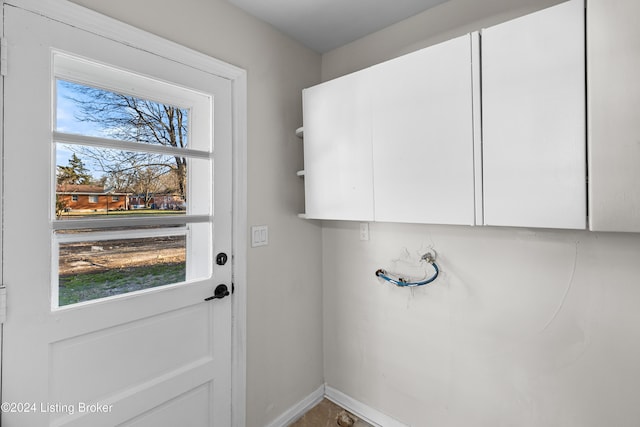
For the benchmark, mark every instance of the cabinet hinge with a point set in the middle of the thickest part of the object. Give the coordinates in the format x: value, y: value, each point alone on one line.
x: 3, y: 56
x: 3, y: 304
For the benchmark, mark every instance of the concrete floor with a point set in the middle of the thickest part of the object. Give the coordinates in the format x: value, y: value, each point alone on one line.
x: 327, y: 414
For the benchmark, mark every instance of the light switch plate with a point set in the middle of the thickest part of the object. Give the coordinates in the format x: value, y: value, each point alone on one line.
x: 259, y: 235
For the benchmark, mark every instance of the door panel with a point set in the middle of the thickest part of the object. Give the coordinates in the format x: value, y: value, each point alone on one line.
x: 190, y: 406
x: 83, y: 364
x: 145, y: 358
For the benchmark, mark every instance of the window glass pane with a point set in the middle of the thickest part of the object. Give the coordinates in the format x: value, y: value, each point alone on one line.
x: 94, y: 269
x: 154, y: 158
x: 90, y: 111
x: 92, y: 182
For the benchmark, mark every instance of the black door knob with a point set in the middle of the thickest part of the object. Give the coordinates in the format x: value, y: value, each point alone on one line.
x: 220, y: 292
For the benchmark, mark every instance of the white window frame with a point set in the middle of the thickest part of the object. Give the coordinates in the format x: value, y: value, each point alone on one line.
x: 199, y: 171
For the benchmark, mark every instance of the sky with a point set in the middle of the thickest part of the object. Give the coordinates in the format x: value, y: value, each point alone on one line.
x: 66, y: 121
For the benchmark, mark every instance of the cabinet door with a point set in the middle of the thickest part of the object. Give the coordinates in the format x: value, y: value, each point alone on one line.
x: 423, y: 136
x: 533, y: 100
x: 337, y: 149
x: 613, y: 40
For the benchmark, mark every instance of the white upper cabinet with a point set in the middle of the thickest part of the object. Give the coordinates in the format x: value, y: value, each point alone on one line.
x: 337, y: 149
x: 423, y: 136
x: 533, y: 120
x: 613, y: 40
x: 401, y: 141
x: 399, y: 133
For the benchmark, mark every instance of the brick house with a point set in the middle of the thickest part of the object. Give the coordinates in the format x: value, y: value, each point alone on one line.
x: 90, y: 198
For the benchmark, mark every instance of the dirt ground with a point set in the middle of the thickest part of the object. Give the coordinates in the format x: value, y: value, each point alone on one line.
x: 90, y: 257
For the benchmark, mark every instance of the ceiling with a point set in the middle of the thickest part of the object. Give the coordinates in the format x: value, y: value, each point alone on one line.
x: 323, y: 25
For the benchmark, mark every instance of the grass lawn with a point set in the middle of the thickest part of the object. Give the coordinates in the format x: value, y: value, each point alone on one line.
x: 89, y: 286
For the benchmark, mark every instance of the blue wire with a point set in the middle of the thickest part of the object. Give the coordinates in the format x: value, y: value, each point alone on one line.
x: 402, y: 283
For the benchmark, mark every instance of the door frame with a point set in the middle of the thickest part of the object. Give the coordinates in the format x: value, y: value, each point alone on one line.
x: 94, y: 22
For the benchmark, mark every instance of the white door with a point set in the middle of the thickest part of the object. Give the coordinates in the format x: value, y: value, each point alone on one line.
x: 106, y: 278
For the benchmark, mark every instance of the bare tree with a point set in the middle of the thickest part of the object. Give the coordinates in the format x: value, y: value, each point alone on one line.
x: 129, y: 118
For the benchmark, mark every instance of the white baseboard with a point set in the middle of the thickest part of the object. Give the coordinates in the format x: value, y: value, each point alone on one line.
x: 299, y: 409
x: 357, y: 408
x: 362, y: 411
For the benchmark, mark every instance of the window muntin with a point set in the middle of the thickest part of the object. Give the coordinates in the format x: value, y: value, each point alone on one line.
x: 105, y: 147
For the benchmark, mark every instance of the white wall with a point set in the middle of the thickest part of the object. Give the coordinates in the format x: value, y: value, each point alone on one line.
x: 284, y: 342
x: 523, y: 328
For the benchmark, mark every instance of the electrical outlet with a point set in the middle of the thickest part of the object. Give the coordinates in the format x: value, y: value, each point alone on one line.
x: 364, y: 231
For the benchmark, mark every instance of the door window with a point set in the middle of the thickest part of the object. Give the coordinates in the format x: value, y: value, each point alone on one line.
x: 140, y: 152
